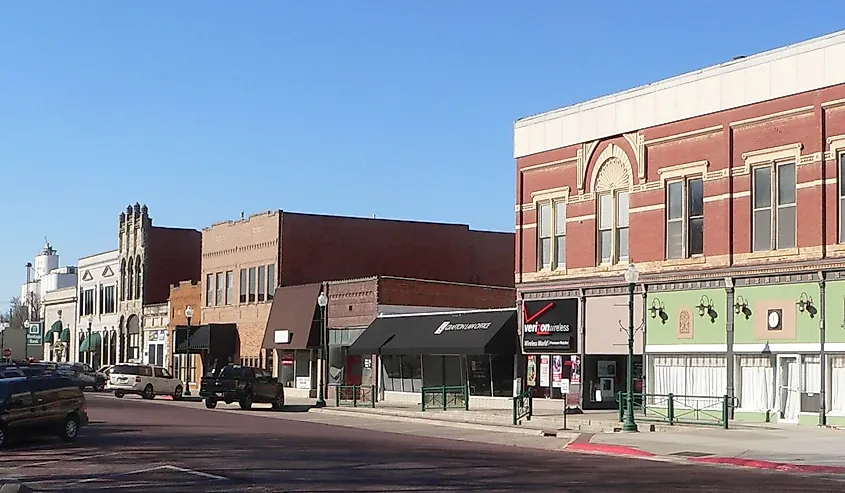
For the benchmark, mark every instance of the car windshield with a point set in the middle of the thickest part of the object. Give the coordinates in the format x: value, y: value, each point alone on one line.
x: 231, y: 372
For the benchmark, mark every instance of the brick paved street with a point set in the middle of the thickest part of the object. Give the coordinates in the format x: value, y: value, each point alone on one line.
x: 135, y: 445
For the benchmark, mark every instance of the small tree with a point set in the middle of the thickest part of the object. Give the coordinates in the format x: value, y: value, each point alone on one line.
x: 18, y: 314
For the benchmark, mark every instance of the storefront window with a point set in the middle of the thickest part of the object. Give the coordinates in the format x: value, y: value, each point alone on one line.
x: 402, y: 373
x: 302, y: 365
x: 337, y: 362
x: 502, y: 366
x: 479, y: 375
x: 286, y: 367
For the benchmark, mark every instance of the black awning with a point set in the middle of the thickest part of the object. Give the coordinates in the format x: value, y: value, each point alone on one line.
x: 468, y: 332
x: 217, y: 339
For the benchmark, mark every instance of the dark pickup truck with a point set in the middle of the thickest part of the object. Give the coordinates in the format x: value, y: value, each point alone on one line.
x: 244, y: 385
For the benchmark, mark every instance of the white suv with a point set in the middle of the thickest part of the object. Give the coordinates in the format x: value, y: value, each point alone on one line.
x: 147, y: 381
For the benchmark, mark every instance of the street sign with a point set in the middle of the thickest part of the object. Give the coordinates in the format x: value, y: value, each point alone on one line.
x: 33, y: 334
x: 7, y: 353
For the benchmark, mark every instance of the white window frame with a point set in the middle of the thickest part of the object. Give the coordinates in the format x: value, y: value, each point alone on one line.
x: 553, y: 263
x: 615, y: 258
x: 774, y: 207
x: 685, y: 218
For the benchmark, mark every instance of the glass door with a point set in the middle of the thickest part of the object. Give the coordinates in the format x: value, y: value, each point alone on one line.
x: 789, y: 388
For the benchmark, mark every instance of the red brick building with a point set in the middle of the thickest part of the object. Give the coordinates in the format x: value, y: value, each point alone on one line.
x: 712, y: 182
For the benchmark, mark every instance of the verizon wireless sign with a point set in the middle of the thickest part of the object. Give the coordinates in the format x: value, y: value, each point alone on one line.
x: 550, y: 326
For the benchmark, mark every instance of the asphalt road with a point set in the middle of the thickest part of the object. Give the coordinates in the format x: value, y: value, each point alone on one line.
x: 135, y: 445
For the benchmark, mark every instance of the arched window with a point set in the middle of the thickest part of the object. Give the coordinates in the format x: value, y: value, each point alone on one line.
x: 138, y: 282
x: 122, y: 279
x: 612, y: 184
x: 130, y: 278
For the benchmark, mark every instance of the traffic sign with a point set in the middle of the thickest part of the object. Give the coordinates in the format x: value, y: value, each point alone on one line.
x: 7, y: 353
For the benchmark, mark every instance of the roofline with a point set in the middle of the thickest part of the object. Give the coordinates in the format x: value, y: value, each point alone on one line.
x: 454, y: 312
x: 98, y: 254
x: 451, y: 283
x: 740, y: 63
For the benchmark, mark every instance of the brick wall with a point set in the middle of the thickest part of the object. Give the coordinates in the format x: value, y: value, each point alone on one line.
x: 173, y: 255
x: 317, y: 248
x: 236, y: 245
x: 726, y: 142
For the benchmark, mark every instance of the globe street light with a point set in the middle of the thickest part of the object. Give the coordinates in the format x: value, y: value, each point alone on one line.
x: 631, y: 277
x: 189, y: 313
x: 322, y: 300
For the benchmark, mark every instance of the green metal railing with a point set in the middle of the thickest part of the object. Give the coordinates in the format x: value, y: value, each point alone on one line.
x: 680, y: 409
x: 445, y: 397
x: 523, y: 407
x: 355, y: 395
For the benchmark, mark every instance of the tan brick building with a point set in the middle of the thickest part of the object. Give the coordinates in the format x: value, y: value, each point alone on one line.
x: 726, y: 187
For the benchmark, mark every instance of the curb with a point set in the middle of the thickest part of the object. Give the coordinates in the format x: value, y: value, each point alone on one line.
x: 769, y: 465
x: 436, y: 422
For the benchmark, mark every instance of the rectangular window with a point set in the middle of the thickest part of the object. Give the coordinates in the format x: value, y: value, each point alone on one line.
x: 560, y: 235
x: 544, y: 236
x: 262, y: 283
x: 774, y: 211
x: 209, y: 289
x: 230, y: 287
x: 218, y: 296
x: 88, y: 307
x: 242, y: 287
x: 842, y: 199
x: 684, y: 218
x: 271, y: 281
x: 252, y: 284
x: 612, y: 235
x: 109, y: 305
x: 100, y: 300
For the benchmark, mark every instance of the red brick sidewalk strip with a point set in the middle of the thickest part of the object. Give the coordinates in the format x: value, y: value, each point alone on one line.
x: 774, y: 466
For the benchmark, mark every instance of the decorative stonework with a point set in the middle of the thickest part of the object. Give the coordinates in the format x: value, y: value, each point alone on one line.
x: 685, y: 324
x: 637, y: 142
x: 613, y: 171
x: 584, y: 154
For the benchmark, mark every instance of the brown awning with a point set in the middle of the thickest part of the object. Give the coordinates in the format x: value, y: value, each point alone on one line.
x: 294, y: 310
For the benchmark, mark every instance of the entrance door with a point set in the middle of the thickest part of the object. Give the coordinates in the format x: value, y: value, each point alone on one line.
x: 155, y: 353
x: 789, y: 388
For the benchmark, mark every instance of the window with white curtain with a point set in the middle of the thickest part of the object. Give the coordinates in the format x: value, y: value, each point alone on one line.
x: 811, y: 377
x: 837, y: 383
x: 756, y: 383
x: 697, y: 376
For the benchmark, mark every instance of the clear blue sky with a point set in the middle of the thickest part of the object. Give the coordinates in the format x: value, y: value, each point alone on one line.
x: 402, y: 109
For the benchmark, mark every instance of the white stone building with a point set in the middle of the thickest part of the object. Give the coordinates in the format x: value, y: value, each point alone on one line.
x: 155, y: 344
x: 97, y: 338
x: 60, y: 321
x: 45, y: 275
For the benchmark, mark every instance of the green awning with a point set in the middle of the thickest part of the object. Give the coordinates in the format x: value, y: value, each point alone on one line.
x: 91, y: 344
x: 56, y: 328
x: 65, y: 335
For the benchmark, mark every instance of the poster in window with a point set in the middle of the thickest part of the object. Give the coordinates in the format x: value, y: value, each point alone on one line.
x: 531, y: 371
x: 575, y: 369
x: 544, y: 370
x: 557, y: 370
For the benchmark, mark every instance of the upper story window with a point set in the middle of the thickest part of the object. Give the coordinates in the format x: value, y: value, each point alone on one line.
x: 108, y: 299
x: 613, y: 227
x: 209, y: 289
x: 842, y: 198
x: 230, y: 287
x: 684, y: 218
x: 218, y: 297
x: 242, y: 287
x: 271, y: 281
x: 551, y: 235
x: 262, y: 283
x: 251, y: 285
x: 88, y: 302
x: 130, y: 279
x: 774, y: 216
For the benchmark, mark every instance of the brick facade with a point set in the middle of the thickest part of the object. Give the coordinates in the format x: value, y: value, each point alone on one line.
x: 723, y: 148
x: 182, y: 295
x: 306, y: 248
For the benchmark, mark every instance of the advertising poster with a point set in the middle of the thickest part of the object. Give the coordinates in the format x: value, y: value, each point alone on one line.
x: 531, y: 370
x: 575, y: 368
x: 557, y: 370
x: 544, y: 370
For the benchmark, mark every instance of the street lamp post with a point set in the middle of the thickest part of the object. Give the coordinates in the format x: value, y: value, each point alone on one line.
x: 631, y: 276
x: 90, y: 322
x: 322, y: 300
x: 189, y: 313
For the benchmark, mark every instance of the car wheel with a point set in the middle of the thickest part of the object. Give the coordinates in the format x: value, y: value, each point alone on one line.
x: 246, y: 401
x: 149, y: 393
x: 279, y: 402
x: 210, y: 403
x: 119, y: 394
x: 70, y: 429
x: 177, y: 393
x: 2, y: 436
x: 99, y: 386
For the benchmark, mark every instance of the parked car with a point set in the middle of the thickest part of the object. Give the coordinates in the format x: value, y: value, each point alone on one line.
x: 105, y: 370
x: 83, y: 375
x: 244, y: 385
x: 147, y: 381
x: 24, y: 370
x: 41, y: 406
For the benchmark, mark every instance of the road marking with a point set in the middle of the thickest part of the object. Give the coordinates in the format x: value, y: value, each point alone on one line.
x: 158, y: 468
x: 53, y: 461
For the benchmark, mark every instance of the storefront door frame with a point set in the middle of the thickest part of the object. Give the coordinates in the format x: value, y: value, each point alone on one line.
x: 785, y: 391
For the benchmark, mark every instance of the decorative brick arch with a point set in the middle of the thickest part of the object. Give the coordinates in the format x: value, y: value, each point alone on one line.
x: 612, y: 171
